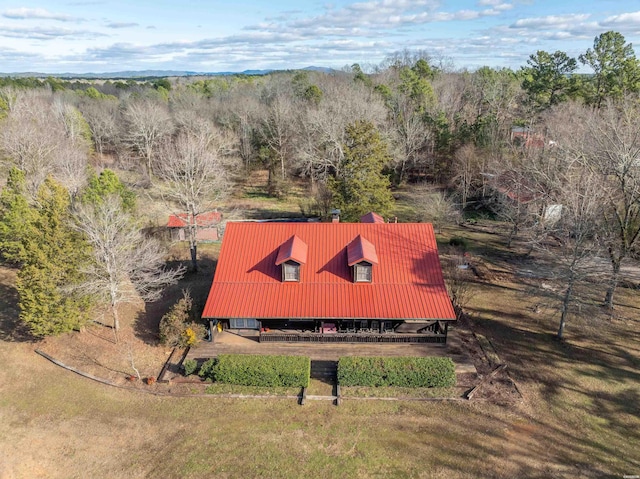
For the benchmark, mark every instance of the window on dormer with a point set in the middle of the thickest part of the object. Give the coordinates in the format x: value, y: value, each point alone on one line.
x: 362, y: 272
x: 290, y: 271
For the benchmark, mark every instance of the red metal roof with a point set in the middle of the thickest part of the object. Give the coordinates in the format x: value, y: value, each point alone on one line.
x: 361, y: 250
x: 293, y: 249
x: 371, y: 218
x: 204, y: 219
x: 407, y: 284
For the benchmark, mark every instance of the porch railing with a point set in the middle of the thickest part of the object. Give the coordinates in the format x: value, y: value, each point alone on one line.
x: 277, y: 336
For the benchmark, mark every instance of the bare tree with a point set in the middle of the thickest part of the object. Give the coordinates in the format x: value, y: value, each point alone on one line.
x: 30, y: 140
x: 568, y: 234
x: 607, y: 141
x: 102, y: 117
x: 467, y: 172
x: 436, y: 207
x: 319, y: 150
x: 126, y: 265
x: 515, y: 199
x: 44, y: 138
x: 147, y: 123
x: 195, y: 168
x: 277, y: 137
x: 411, y: 137
x: 71, y: 167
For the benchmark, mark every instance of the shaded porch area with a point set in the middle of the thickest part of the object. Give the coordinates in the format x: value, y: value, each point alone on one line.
x: 284, y: 335
x: 340, y: 330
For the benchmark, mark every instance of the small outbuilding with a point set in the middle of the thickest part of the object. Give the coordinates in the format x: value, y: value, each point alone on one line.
x: 207, y: 223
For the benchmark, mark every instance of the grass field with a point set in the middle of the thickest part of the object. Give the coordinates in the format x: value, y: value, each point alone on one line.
x: 579, y: 416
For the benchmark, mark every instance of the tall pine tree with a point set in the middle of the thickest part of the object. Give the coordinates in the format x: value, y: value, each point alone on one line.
x: 51, y: 255
x: 362, y: 187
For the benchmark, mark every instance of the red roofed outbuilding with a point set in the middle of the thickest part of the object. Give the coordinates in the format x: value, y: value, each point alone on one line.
x: 207, y: 226
x: 331, y: 282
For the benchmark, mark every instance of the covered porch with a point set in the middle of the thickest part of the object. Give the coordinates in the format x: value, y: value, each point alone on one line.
x: 340, y: 330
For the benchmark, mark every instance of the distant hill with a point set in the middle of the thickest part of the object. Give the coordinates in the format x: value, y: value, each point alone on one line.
x: 151, y: 73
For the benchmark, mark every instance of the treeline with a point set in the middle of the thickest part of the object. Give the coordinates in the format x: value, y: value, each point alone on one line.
x: 523, y: 144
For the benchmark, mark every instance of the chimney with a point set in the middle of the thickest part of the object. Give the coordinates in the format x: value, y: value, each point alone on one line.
x: 335, y: 216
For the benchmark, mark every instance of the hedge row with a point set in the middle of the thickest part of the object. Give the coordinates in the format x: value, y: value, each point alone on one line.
x: 265, y: 371
x: 400, y: 372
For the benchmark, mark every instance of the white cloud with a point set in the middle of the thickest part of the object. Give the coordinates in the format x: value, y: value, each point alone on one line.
x: 46, y: 33
x: 555, y: 21
x: 391, y: 14
x: 38, y: 14
x: 629, y: 21
x: 121, y: 24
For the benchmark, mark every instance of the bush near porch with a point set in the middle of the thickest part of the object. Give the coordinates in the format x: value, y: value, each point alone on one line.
x: 399, y: 372
x: 264, y: 371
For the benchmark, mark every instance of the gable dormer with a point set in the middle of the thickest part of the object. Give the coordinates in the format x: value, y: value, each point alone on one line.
x: 361, y: 256
x: 291, y: 255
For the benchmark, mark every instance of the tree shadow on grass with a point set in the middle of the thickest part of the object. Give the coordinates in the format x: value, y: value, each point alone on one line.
x: 588, y: 417
x: 11, y: 328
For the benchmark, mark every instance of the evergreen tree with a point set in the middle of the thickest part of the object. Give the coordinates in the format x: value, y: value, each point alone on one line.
x: 615, y: 66
x: 52, y: 256
x: 105, y: 184
x: 362, y: 187
x: 547, y: 79
x: 16, y: 218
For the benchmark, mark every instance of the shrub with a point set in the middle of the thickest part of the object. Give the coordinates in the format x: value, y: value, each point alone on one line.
x: 459, y: 242
x: 189, y: 366
x: 265, y: 371
x: 176, y: 327
x: 188, y: 337
x: 207, y: 370
x: 399, y: 372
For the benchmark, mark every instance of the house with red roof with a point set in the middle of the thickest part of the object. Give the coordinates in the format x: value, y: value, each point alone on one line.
x: 349, y: 282
x: 207, y: 226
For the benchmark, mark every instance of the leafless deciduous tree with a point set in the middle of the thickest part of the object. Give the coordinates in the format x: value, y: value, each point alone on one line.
x: 411, y: 136
x: 515, y: 199
x: 195, y: 168
x: 436, y: 207
x: 29, y: 139
x: 467, y: 172
x: 43, y: 138
x: 322, y: 129
x: 126, y: 266
x: 277, y: 136
x: 147, y: 123
x: 569, y: 233
x: 607, y: 141
x: 102, y: 117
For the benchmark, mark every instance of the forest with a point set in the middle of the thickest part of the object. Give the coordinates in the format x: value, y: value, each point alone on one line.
x: 551, y: 152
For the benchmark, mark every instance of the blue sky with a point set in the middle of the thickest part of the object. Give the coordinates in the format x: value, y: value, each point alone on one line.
x: 77, y: 36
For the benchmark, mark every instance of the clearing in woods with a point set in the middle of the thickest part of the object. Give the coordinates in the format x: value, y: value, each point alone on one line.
x: 579, y: 416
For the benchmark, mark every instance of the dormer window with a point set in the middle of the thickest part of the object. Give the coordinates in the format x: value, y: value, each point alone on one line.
x: 291, y: 254
x: 362, y: 272
x: 361, y: 256
x: 290, y: 271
